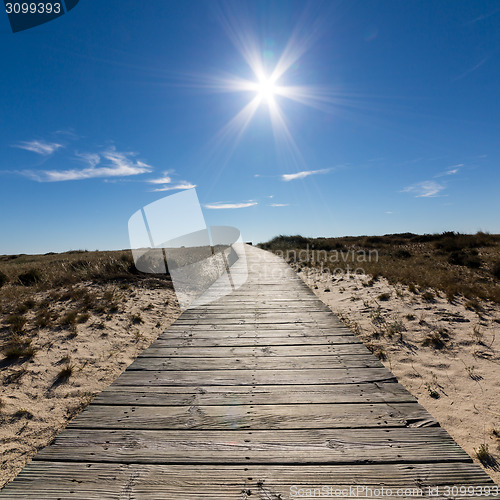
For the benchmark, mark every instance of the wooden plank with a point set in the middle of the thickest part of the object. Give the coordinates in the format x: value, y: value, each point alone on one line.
x: 254, y: 377
x: 255, y: 362
x: 262, y: 394
x: 333, y: 446
x: 108, y: 481
x: 254, y: 416
x: 345, y: 350
x: 267, y: 330
x: 257, y: 340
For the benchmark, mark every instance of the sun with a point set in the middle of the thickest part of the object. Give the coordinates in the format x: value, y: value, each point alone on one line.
x: 267, y: 85
x: 266, y: 89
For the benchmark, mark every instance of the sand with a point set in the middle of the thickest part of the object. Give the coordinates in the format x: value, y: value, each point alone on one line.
x: 36, y: 406
x: 458, y: 382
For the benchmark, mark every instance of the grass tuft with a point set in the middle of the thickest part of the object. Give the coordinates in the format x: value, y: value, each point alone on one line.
x: 16, y: 323
x: 65, y: 374
x: 384, y: 296
x: 136, y: 319
x: 484, y: 456
x: 23, y: 413
x: 435, y: 340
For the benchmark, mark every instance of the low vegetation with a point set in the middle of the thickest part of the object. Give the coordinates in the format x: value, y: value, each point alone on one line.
x: 62, y: 291
x: 454, y: 263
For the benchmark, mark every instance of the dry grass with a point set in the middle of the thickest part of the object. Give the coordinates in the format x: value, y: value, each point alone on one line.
x: 65, y: 334
x: 457, y: 264
x: 62, y: 291
x: 65, y: 373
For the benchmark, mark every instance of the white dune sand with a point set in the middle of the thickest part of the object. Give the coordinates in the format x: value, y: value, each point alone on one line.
x: 458, y: 382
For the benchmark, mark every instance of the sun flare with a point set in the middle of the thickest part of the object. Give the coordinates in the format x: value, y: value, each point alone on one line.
x: 266, y: 89
x: 268, y: 85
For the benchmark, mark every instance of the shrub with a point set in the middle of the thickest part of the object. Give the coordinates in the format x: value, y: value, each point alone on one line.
x: 43, y: 319
x: 403, y: 254
x: 83, y: 318
x: 69, y: 318
x: 473, y: 261
x: 3, y: 279
x: 30, y: 277
x: 16, y: 323
x: 496, y: 269
x: 428, y: 296
x: 473, y: 305
x: 384, y: 296
x: 19, y: 351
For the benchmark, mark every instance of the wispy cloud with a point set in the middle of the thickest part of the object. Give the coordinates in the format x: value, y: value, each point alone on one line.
x: 302, y: 175
x: 279, y: 205
x: 454, y: 169
x: 162, y: 180
x: 471, y: 70
x: 181, y: 185
x: 112, y: 163
x: 40, y: 147
x: 91, y: 159
x: 425, y: 189
x: 223, y: 206
x: 482, y: 17
x: 388, y: 212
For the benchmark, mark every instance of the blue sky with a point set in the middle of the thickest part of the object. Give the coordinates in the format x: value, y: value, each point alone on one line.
x: 358, y: 118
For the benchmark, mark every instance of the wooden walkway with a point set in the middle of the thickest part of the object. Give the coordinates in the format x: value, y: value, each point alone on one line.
x: 251, y: 397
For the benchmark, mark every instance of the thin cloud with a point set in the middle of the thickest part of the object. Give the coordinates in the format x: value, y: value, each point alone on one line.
x: 451, y: 170
x: 181, y: 185
x: 302, y: 175
x: 92, y: 159
x: 224, y: 206
x: 388, y: 212
x: 40, y: 147
x: 471, y: 70
x: 279, y: 205
x: 482, y: 17
x: 162, y: 180
x: 114, y: 164
x: 425, y: 189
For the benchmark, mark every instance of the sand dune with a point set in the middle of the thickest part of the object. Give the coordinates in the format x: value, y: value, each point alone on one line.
x: 445, y: 354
